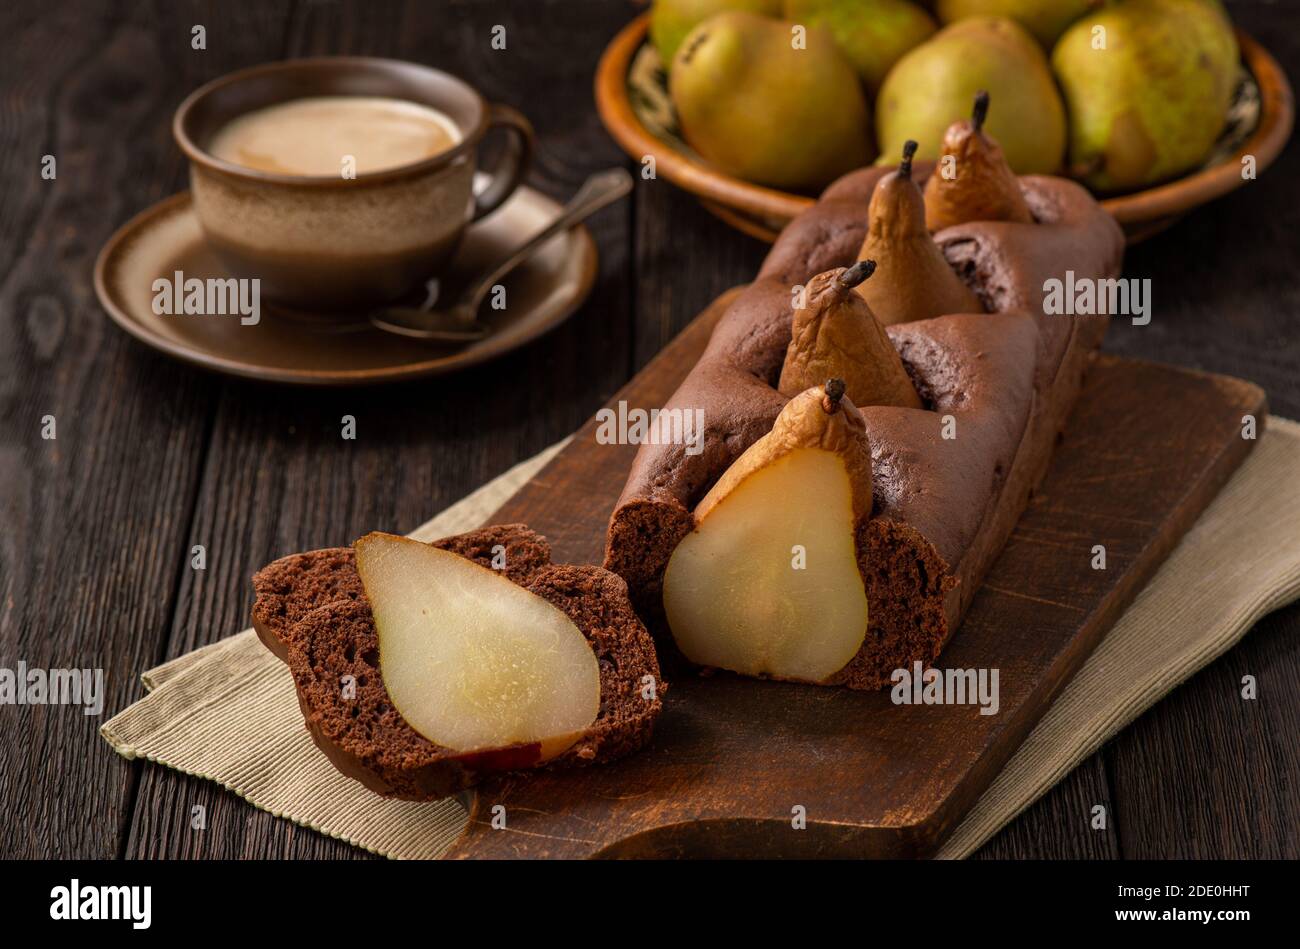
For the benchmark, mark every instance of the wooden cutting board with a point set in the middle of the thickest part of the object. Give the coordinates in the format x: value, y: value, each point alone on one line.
x: 1145, y: 451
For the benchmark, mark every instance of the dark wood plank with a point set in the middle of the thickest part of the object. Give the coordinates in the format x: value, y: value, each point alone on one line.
x: 1055, y: 827
x: 731, y: 758
x: 279, y: 477
x: 94, y: 544
x: 1207, y: 772
x: 685, y: 257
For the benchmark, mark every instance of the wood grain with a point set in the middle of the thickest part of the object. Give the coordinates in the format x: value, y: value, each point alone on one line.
x: 94, y: 546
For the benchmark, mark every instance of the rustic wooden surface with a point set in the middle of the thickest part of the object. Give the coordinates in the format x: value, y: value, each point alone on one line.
x: 152, y: 458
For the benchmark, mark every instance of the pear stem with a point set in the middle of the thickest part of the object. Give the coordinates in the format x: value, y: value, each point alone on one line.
x: 905, y: 166
x: 981, y: 110
x: 850, y: 277
x: 834, y: 392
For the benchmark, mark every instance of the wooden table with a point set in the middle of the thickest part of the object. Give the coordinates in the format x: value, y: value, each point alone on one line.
x: 153, y: 458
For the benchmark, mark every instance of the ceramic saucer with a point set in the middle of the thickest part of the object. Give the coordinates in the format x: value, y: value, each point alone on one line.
x: 339, y: 349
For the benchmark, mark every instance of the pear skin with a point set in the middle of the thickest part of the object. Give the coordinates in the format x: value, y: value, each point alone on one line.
x: 1149, y: 104
x: 835, y: 334
x: 973, y: 181
x: 874, y: 34
x: 933, y: 85
x: 912, y: 280
x: 758, y: 108
x: 672, y: 20
x: 1045, y: 19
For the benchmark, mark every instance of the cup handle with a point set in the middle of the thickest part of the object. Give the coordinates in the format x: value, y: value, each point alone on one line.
x: 510, y: 170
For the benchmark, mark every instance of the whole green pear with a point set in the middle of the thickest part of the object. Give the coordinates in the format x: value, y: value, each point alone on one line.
x: 671, y: 20
x: 1148, y: 84
x: 769, y: 103
x: 873, y: 34
x: 1046, y: 19
x: 934, y: 84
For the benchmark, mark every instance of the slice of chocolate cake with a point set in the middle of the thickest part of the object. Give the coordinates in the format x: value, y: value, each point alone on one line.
x: 332, y: 648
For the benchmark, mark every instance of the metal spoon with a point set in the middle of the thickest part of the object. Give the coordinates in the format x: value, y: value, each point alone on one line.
x: 459, y: 322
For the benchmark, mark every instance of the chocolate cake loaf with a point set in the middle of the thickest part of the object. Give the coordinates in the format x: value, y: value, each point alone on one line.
x: 1003, y: 381
x: 312, y: 611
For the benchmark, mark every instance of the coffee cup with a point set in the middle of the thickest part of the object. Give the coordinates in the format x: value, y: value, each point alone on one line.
x: 261, y: 144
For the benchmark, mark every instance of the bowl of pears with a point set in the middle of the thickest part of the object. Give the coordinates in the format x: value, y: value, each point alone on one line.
x: 756, y: 106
